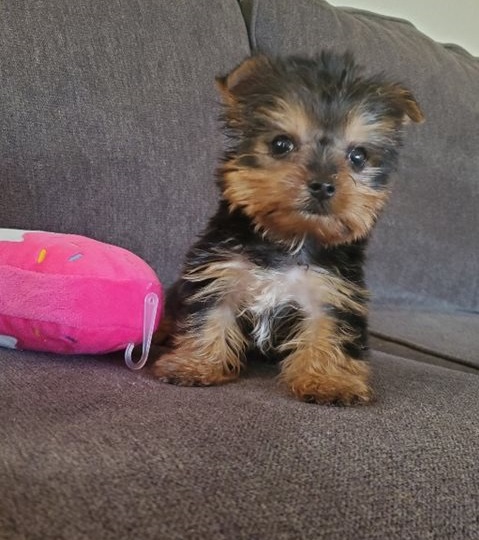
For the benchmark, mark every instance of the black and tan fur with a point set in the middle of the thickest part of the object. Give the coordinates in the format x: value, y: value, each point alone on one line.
x: 279, y: 268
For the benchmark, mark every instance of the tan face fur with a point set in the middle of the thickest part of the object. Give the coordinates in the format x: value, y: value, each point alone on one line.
x: 275, y: 191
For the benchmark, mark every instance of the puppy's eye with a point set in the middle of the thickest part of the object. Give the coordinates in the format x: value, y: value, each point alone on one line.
x: 282, y: 145
x: 358, y: 157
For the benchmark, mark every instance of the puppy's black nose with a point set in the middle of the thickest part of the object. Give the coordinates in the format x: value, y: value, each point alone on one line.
x: 321, y: 191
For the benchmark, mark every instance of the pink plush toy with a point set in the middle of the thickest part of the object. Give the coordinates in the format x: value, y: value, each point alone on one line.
x: 70, y: 294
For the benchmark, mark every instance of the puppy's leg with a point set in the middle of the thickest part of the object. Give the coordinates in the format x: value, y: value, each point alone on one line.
x: 319, y: 370
x: 208, y: 351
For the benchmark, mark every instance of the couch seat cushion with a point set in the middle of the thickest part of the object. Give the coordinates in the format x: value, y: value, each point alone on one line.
x: 451, y: 335
x: 89, y: 449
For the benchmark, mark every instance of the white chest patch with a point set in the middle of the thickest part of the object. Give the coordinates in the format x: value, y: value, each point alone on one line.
x: 260, y: 294
x: 269, y: 291
x: 274, y: 288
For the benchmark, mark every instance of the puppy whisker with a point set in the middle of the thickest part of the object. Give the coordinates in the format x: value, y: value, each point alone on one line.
x: 351, y: 177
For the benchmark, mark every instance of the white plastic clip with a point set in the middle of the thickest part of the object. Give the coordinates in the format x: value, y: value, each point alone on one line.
x: 149, y: 316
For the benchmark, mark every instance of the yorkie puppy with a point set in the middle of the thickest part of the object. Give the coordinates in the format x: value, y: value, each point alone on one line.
x: 279, y: 268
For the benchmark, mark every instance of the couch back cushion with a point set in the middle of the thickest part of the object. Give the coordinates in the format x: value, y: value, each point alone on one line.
x: 426, y: 247
x: 109, y: 118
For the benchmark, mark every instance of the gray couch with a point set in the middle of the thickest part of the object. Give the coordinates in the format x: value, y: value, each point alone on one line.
x: 109, y: 129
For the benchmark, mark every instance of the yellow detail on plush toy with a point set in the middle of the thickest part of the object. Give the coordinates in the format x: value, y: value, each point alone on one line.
x: 42, y: 255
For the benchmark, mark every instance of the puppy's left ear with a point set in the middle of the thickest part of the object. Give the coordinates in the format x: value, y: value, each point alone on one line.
x: 407, y: 103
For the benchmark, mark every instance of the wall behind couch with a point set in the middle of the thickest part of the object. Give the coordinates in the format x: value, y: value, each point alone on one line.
x: 447, y: 22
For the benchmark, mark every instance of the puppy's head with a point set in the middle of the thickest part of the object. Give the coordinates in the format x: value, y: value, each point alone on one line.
x: 313, y: 144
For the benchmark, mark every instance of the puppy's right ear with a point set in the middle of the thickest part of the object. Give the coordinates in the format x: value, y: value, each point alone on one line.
x: 242, y: 78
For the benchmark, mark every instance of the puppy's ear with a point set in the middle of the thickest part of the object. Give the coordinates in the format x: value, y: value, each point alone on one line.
x: 407, y: 103
x: 243, y: 78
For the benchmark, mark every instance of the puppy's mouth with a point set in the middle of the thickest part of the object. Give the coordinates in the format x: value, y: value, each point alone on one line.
x: 314, y: 207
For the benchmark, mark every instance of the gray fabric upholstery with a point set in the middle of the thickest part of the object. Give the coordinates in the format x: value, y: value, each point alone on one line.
x: 405, y: 349
x: 426, y: 247
x: 109, y: 118
x: 96, y: 451
x: 109, y: 129
x: 450, y: 335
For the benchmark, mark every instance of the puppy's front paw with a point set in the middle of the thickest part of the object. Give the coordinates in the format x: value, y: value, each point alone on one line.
x: 353, y: 391
x: 331, y: 385
x: 175, y: 368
